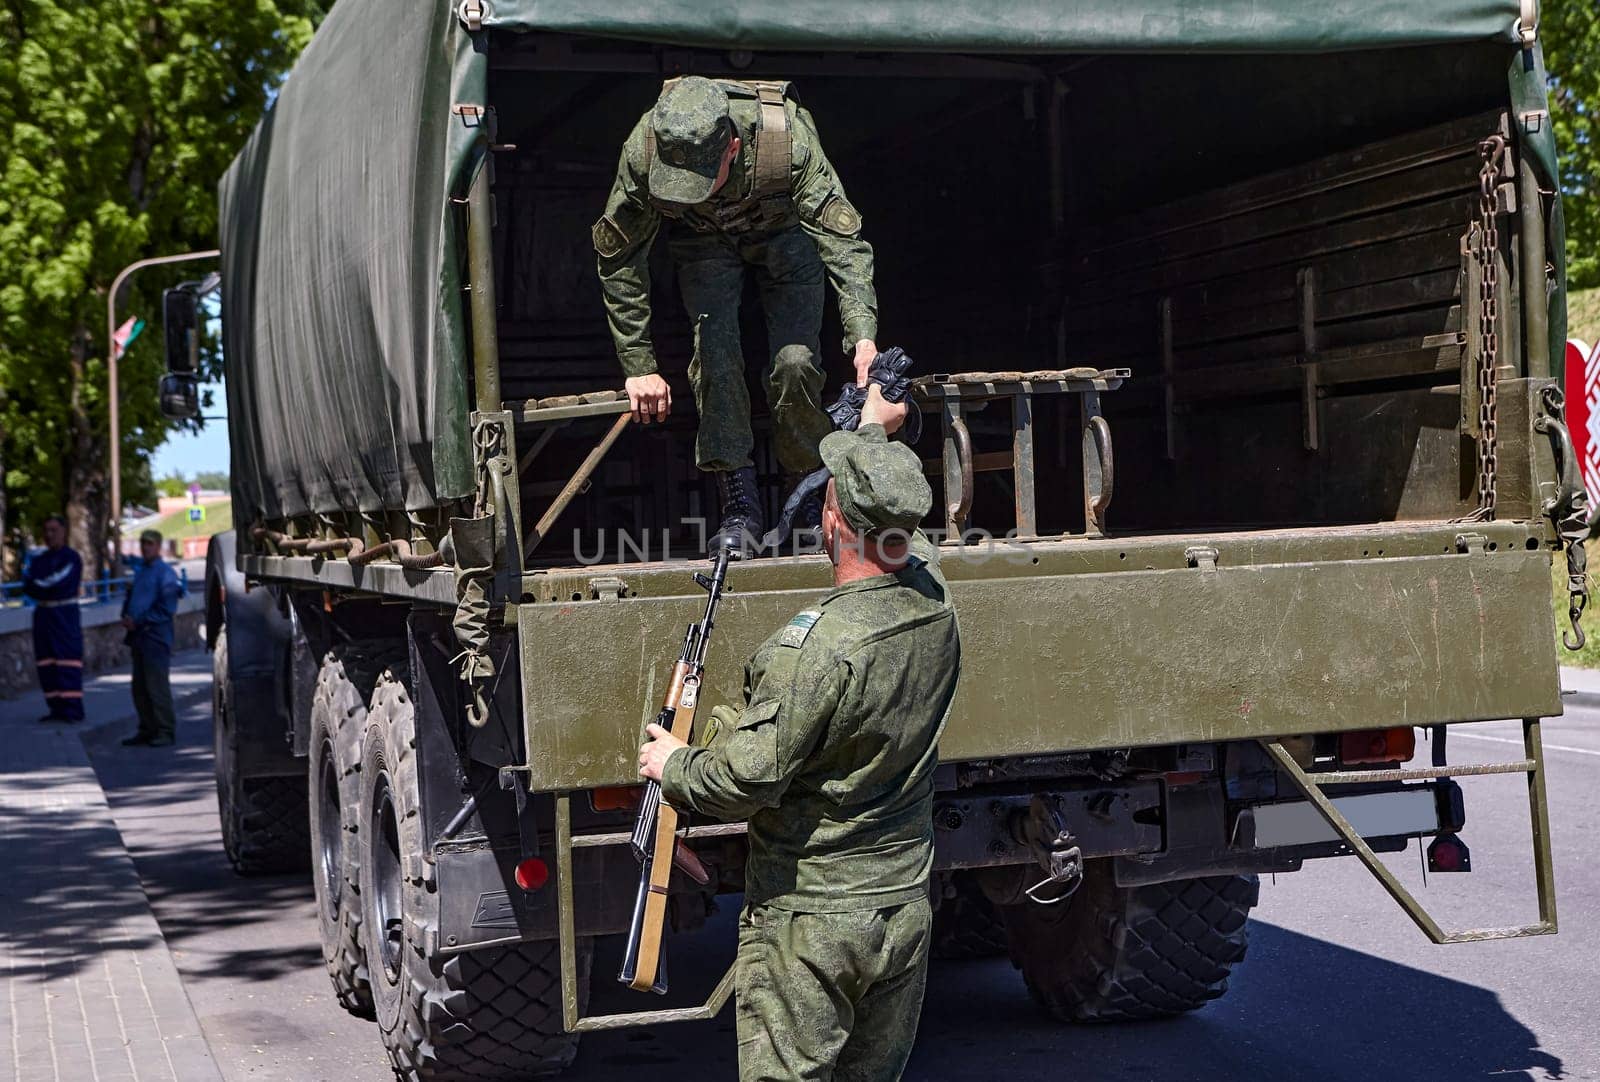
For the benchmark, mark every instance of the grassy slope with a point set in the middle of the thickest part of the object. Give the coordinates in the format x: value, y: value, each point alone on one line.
x: 219, y: 519
x: 1583, y: 315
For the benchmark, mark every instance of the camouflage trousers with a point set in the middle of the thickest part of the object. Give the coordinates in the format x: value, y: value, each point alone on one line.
x: 830, y: 996
x: 789, y: 278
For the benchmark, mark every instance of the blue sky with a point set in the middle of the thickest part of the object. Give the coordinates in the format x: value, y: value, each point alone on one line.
x: 189, y: 453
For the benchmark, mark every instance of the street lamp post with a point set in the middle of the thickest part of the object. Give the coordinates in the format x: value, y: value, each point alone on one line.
x: 111, y: 366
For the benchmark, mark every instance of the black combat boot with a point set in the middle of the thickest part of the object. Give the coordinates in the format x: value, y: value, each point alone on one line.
x: 741, y: 510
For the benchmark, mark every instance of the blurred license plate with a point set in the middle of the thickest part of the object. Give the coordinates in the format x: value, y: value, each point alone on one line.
x: 1374, y: 815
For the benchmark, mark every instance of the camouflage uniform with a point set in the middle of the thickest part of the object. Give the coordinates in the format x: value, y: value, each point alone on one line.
x: 831, y: 760
x: 794, y: 239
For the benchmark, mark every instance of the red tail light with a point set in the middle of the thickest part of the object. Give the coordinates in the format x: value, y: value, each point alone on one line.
x: 1378, y: 746
x: 622, y: 798
x: 532, y: 874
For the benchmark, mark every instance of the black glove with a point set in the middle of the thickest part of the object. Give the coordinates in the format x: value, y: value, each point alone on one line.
x: 891, y: 371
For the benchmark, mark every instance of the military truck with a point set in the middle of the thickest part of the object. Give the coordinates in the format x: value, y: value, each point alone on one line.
x: 1235, y: 324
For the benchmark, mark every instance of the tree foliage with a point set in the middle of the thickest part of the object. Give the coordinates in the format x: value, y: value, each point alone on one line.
x: 117, y: 117
x: 1570, y: 30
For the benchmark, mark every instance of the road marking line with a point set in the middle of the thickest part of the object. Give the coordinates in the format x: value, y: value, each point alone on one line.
x: 1518, y: 741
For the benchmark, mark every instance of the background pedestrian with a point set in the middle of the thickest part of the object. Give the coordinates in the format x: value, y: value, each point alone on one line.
x: 53, y: 579
x: 148, y: 615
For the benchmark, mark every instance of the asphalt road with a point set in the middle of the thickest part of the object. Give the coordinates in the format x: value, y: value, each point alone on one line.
x: 1338, y: 985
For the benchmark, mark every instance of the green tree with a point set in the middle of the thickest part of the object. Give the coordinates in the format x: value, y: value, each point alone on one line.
x: 117, y: 117
x: 1570, y: 30
x: 172, y: 485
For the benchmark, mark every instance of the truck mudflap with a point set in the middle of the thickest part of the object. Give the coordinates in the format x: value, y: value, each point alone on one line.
x: 263, y: 665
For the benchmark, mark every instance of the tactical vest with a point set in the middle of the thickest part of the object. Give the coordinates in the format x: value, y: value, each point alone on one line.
x: 769, y: 204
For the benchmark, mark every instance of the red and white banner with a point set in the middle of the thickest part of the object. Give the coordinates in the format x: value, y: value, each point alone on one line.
x: 1583, y: 409
x: 125, y: 336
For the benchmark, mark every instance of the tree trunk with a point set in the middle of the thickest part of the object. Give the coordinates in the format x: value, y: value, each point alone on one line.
x: 85, y: 468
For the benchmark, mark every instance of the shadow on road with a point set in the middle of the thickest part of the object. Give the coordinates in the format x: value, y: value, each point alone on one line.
x: 1300, y: 1008
x: 163, y: 801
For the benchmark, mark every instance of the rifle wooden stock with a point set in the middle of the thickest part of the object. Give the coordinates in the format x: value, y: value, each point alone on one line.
x: 655, y: 841
x: 687, y: 700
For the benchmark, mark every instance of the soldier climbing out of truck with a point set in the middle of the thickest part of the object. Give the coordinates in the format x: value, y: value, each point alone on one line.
x: 738, y: 171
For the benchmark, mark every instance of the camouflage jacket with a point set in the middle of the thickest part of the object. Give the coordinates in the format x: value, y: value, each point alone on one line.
x: 623, y: 236
x: 832, y: 757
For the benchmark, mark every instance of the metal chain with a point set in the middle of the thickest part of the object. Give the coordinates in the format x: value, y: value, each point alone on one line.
x: 1568, y: 509
x: 1491, y: 150
x: 486, y: 441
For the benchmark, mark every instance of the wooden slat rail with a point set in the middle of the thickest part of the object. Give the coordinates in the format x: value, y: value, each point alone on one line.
x: 1409, y: 151
x: 1343, y: 270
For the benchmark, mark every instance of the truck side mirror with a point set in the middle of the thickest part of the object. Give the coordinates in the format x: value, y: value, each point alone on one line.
x: 180, y: 396
x: 180, y: 309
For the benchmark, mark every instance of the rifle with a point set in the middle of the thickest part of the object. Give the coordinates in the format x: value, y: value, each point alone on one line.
x: 655, y: 842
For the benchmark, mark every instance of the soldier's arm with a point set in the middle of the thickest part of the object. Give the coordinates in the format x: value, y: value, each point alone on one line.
x: 828, y: 216
x: 751, y: 766
x: 622, y: 239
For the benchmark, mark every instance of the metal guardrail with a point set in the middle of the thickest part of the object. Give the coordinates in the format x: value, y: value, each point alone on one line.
x: 94, y: 592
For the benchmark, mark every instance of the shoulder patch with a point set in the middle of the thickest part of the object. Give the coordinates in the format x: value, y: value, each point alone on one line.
x: 609, y: 239
x: 838, y: 216
x: 795, y: 632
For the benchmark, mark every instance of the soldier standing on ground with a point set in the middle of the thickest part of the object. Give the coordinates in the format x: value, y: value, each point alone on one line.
x: 738, y: 172
x: 831, y: 760
x: 149, y: 614
x: 53, y: 579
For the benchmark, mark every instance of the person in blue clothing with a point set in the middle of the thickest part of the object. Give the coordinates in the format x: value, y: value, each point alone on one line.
x: 148, y: 614
x: 52, y: 580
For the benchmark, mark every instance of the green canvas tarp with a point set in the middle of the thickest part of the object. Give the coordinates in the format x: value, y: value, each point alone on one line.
x: 1021, y: 26
x: 344, y: 318
x: 343, y: 325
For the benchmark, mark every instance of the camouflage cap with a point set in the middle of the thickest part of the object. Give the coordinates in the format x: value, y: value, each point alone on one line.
x: 692, y: 129
x: 879, y: 485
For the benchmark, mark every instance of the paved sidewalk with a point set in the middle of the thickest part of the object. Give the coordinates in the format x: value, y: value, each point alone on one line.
x: 90, y: 990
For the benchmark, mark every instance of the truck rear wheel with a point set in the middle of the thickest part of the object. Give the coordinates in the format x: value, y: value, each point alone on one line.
x: 966, y: 924
x: 1114, y: 953
x: 493, y: 1013
x: 264, y: 822
x: 338, y: 718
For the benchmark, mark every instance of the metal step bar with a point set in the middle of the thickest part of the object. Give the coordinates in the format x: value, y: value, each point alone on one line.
x: 568, y: 939
x: 1311, y: 784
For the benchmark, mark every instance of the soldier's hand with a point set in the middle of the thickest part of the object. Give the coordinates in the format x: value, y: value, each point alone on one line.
x: 866, y: 353
x: 654, y: 753
x: 878, y: 410
x: 649, y: 397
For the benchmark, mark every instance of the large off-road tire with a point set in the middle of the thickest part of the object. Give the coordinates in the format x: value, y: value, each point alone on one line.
x: 338, y: 720
x: 265, y: 829
x: 966, y: 924
x: 1120, y: 953
x: 486, y: 1014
